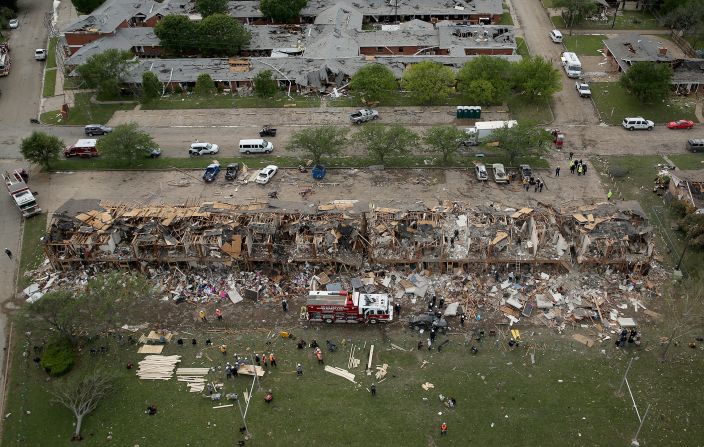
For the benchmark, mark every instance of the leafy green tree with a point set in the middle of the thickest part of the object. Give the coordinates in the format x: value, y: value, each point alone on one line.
x: 126, y: 143
x: 221, y: 35
x: 105, y: 71
x: 481, y: 92
x: 83, y: 395
x: 177, y: 34
x: 264, y: 84
x: 56, y: 311
x: 373, y: 82
x: 282, y: 10
x: 497, y: 76
x: 204, y: 85
x: 429, y: 82
x: 648, y: 81
x: 536, y: 77
x: 209, y: 7
x: 86, y: 6
x: 41, y: 149
x: 319, y: 141
x: 575, y: 11
x: 687, y: 16
x: 522, y: 140
x: 151, y: 86
x: 386, y: 141
x: 444, y: 140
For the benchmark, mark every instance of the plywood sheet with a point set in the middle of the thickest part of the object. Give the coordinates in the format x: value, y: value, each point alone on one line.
x: 151, y: 349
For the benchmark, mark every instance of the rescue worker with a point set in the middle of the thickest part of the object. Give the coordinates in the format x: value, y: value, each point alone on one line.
x: 201, y: 314
x: 272, y: 359
x: 299, y: 369
x: 269, y: 397
x: 372, y: 389
x: 319, y: 355
x: 223, y: 349
x: 462, y: 318
x: 284, y: 304
x: 218, y: 314
x: 608, y: 196
x: 264, y: 358
x: 443, y: 428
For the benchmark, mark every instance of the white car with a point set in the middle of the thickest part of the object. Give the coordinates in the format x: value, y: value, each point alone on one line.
x: 13, y: 24
x: 40, y: 54
x: 203, y: 149
x: 583, y: 89
x: 266, y: 174
x: 500, y: 173
x: 480, y: 171
x: 556, y: 36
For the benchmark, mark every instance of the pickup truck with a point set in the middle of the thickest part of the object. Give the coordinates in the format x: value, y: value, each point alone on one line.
x: 364, y: 115
x: 583, y: 89
x: 211, y: 172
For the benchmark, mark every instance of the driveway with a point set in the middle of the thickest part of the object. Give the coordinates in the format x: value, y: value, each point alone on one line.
x: 535, y: 26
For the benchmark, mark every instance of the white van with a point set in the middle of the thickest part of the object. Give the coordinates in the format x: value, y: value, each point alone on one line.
x: 556, y: 36
x: 571, y: 64
x: 257, y: 146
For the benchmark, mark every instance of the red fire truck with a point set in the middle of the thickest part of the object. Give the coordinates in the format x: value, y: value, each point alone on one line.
x: 342, y: 307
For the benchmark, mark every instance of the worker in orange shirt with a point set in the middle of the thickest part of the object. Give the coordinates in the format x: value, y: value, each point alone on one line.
x: 218, y: 314
x: 443, y: 428
x: 272, y: 359
x: 319, y: 355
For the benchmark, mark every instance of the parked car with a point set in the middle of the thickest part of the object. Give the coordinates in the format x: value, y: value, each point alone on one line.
x: 267, y: 131
x: 526, y: 171
x: 364, y: 115
x: 556, y: 36
x: 155, y: 152
x: 500, y: 173
x: 266, y: 174
x: 583, y: 89
x: 681, y: 124
x: 13, y: 24
x: 202, y: 149
x: 231, y: 171
x: 211, y: 172
x: 40, y: 54
x: 480, y: 171
x: 427, y: 321
x: 84, y: 148
x: 695, y: 145
x: 637, y: 122
x: 96, y: 129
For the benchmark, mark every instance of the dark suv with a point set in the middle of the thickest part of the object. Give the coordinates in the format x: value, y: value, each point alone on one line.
x: 427, y: 321
x: 97, y: 129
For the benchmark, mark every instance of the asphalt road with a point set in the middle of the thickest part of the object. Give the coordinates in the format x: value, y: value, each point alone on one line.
x: 19, y: 101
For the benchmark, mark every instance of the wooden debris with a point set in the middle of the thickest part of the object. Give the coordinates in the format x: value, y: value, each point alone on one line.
x: 340, y: 372
x: 194, y: 378
x: 157, y: 367
x: 381, y: 371
x: 425, y: 362
x: 250, y: 370
x: 589, y: 342
x: 224, y: 406
x: 150, y: 349
x: 427, y: 386
x: 369, y: 363
x: 398, y: 347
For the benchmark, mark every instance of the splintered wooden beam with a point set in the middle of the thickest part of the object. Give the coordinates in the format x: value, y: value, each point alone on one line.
x: 371, y: 354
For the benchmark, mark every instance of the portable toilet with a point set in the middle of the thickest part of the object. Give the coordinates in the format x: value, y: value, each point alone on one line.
x: 459, y: 112
x: 478, y: 112
x: 473, y: 112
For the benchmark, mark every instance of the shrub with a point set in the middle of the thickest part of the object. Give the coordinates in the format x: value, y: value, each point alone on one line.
x: 58, y: 358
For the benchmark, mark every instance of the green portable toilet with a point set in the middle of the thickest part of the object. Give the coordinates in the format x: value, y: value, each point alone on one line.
x: 467, y: 112
x: 479, y: 112
x: 459, y: 112
x: 472, y: 112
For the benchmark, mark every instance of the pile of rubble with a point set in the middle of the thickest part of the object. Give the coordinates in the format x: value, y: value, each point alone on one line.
x: 347, y: 233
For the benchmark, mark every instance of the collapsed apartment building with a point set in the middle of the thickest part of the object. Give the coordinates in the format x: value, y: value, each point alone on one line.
x: 346, y: 233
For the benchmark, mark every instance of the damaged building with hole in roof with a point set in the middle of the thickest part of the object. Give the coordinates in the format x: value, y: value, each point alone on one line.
x: 317, y: 55
x: 347, y: 233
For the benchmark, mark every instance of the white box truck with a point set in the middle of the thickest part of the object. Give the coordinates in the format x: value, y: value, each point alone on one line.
x: 571, y: 64
x: 483, y: 129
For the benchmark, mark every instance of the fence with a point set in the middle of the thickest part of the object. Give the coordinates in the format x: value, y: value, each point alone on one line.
x: 683, y: 44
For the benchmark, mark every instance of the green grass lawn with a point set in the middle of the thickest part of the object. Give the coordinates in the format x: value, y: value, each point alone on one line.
x: 614, y: 103
x: 521, y: 47
x: 624, y: 20
x: 537, y: 111
x: 49, y: 82
x: 51, y: 53
x: 227, y: 101
x: 32, y: 253
x: 549, y: 3
x: 85, y: 112
x: 688, y: 161
x: 341, y: 161
x: 585, y: 44
x: 506, y: 18
x: 500, y: 395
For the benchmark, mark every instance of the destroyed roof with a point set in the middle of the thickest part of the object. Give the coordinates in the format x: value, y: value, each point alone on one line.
x: 334, y: 44
x: 304, y: 71
x: 688, y: 71
x: 692, y: 176
x: 341, y: 15
x: 457, y: 38
x: 244, y: 9
x: 108, y: 16
x: 409, y: 8
x: 416, y: 37
x: 632, y: 47
x: 122, y: 39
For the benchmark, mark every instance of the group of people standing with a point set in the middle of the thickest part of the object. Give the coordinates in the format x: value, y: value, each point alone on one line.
x: 577, y: 166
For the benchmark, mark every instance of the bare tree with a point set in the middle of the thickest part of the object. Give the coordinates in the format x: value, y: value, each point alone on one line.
x: 686, y: 310
x: 83, y: 395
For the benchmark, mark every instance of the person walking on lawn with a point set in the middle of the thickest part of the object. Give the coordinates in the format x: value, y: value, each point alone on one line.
x: 443, y: 428
x: 272, y: 359
x: 201, y: 314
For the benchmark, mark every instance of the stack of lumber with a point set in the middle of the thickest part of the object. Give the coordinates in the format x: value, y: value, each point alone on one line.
x: 194, y: 378
x: 381, y: 371
x: 352, y: 362
x: 340, y: 372
x: 250, y: 370
x: 150, y: 349
x: 157, y: 367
